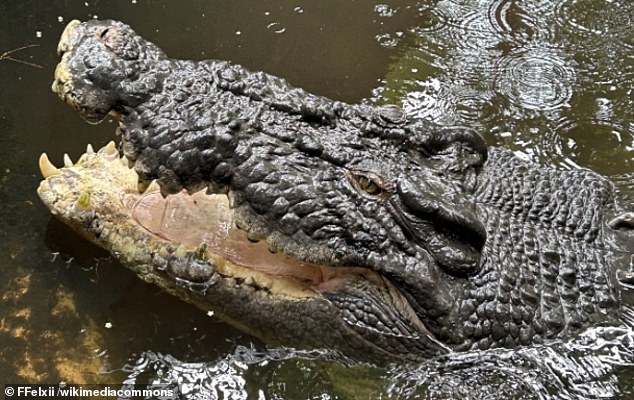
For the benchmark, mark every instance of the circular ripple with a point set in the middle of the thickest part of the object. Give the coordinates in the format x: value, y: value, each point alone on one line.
x: 602, y: 145
x: 425, y: 104
x: 475, y: 32
x: 595, y: 17
x: 431, y: 20
x: 516, y: 23
x: 535, y: 79
x: 444, y: 103
x: 503, y: 24
x: 473, y: 107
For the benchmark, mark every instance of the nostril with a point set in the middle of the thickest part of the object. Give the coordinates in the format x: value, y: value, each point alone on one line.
x: 104, y: 33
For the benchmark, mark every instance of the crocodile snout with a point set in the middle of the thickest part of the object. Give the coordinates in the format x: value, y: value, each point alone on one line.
x: 69, y: 37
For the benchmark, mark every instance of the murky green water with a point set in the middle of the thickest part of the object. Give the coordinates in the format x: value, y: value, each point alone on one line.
x: 550, y: 79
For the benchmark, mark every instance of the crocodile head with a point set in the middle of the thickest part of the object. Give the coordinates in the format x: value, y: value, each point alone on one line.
x: 189, y: 246
x: 382, y: 203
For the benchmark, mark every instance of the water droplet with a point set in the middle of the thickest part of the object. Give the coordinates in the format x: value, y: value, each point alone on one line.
x: 298, y: 10
x: 414, y: 70
x: 238, y: 33
x: 38, y: 34
x: 60, y: 19
x: 267, y: 13
x: 386, y: 40
x: 384, y: 10
x: 108, y: 325
x: 86, y: 3
x: 276, y: 27
x: 133, y: 1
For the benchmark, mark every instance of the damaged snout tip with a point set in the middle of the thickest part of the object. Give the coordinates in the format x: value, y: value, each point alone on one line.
x: 66, y: 40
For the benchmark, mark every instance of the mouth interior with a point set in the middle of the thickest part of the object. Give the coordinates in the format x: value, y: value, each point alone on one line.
x: 191, y: 220
x: 207, y: 218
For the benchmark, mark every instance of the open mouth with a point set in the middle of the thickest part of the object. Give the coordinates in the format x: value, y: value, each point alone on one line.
x: 100, y: 184
x: 195, y: 245
x: 212, y: 262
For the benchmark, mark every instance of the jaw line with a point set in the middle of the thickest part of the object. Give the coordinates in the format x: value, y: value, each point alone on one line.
x: 105, y: 173
x: 315, y: 283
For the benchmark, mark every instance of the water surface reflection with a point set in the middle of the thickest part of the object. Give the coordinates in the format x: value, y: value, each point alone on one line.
x: 552, y: 80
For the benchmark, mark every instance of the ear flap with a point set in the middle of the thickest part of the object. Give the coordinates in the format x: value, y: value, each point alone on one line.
x: 391, y: 123
x: 459, y: 151
x: 441, y: 221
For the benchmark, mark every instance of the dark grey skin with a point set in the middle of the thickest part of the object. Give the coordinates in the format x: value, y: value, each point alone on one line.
x: 488, y: 250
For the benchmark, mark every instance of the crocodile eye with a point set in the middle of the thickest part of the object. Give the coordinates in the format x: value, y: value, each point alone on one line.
x: 370, y: 184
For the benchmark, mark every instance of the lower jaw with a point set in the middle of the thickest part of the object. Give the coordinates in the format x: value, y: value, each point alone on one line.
x: 283, y: 304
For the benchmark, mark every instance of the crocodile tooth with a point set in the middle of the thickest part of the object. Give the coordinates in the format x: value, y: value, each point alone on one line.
x: 89, y: 149
x: 68, y: 163
x: 154, y: 187
x: 110, y: 149
x: 47, y: 169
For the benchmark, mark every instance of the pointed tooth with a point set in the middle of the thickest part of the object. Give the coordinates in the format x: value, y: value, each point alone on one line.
x: 89, y: 149
x: 68, y: 163
x: 110, y: 149
x: 47, y: 169
x: 152, y: 187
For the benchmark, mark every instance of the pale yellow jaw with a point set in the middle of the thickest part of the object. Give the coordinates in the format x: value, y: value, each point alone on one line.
x: 188, y: 221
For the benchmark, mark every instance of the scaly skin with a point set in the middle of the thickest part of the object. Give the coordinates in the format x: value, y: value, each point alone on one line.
x: 486, y: 249
x: 97, y: 196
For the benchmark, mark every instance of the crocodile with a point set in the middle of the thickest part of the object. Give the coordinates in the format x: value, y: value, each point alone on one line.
x: 315, y: 223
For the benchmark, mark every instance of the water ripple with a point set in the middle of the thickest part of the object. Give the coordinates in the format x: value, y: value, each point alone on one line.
x: 431, y: 19
x: 475, y: 32
x: 579, y: 369
x: 537, y: 78
x: 595, y: 17
x: 449, y: 104
x: 221, y: 380
x: 510, y: 20
x: 601, y: 143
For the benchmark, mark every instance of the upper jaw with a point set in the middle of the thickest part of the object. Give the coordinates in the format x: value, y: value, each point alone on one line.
x: 69, y: 37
